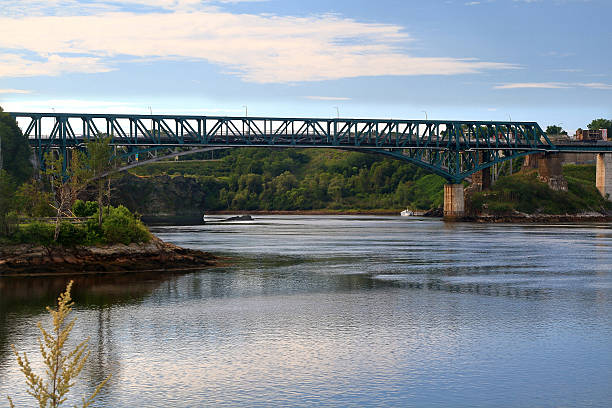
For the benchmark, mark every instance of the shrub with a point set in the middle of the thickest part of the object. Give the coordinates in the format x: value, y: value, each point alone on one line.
x: 94, y: 233
x: 120, y: 226
x: 35, y: 233
x: 71, y: 235
x: 85, y: 209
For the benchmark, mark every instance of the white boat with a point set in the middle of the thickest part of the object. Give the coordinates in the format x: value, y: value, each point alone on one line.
x: 407, y: 213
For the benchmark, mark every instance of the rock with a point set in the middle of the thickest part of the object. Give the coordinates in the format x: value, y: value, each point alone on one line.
x: 155, y: 255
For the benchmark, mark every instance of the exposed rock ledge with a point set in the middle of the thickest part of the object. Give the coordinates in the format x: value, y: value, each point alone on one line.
x: 523, y: 218
x: 155, y: 255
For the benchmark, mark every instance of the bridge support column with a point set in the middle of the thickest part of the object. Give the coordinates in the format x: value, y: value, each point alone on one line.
x: 481, y: 180
x: 603, y: 178
x: 454, y: 202
x: 551, y: 172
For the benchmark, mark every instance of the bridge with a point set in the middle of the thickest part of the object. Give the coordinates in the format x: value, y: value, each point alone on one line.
x: 452, y: 149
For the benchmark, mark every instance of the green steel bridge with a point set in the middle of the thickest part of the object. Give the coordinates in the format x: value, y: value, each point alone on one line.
x: 450, y: 148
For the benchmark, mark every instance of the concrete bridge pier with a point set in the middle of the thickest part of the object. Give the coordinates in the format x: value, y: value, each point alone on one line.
x: 454, y: 201
x: 551, y: 171
x: 603, y: 178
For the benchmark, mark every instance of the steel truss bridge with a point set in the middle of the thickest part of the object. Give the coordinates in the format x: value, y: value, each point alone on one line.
x: 452, y: 149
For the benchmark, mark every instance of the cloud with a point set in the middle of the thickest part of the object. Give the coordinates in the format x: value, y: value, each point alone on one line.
x: 256, y: 48
x: 15, y: 65
x: 328, y: 98
x: 597, y: 85
x: 14, y: 91
x: 533, y: 85
x: 554, y: 85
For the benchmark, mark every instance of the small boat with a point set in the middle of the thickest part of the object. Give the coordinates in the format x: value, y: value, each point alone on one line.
x: 407, y: 213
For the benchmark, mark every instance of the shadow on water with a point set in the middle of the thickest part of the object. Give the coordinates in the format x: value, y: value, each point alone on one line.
x: 28, y: 297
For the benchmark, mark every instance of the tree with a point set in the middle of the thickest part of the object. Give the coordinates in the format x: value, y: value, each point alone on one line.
x: 7, y: 193
x: 99, y: 162
x: 62, y: 366
x: 555, y: 130
x: 601, y: 124
x: 33, y: 201
x: 15, y: 151
x: 66, y: 183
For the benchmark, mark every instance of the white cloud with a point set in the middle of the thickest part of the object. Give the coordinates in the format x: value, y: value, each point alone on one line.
x: 554, y: 85
x: 15, y: 65
x: 533, y: 85
x: 597, y: 85
x: 257, y: 48
x: 14, y: 91
x: 328, y: 98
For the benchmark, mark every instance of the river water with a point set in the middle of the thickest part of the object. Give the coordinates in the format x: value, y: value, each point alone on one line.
x: 343, y: 311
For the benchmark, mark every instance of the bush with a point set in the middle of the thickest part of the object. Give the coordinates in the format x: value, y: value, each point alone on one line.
x: 35, y: 233
x: 71, y: 235
x: 85, y: 209
x: 120, y: 226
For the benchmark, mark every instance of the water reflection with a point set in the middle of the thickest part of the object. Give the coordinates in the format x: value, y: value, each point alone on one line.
x: 346, y: 311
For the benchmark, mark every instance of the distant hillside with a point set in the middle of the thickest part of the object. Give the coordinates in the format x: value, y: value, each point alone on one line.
x: 280, y: 179
x: 259, y: 179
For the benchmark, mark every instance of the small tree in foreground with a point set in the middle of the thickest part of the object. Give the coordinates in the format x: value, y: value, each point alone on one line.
x: 62, y: 366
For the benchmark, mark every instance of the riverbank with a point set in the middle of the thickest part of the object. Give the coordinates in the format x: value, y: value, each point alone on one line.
x: 309, y: 212
x: 521, y: 218
x: 155, y: 255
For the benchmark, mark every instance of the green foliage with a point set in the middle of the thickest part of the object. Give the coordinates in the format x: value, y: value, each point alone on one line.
x: 601, y: 124
x: 37, y: 233
x: 525, y: 193
x: 555, y: 130
x: 120, y: 226
x: 33, y: 201
x: 81, y: 208
x: 301, y: 179
x: 7, y: 201
x: 14, y: 149
x: 62, y: 363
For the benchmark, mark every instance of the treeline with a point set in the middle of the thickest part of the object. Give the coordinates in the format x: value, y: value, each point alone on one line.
x: 302, y: 179
x: 52, y: 196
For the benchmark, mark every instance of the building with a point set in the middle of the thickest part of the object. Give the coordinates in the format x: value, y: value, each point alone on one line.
x: 590, y: 135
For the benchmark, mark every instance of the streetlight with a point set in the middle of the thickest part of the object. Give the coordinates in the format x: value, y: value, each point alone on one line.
x: 246, y: 115
x: 425, y: 114
x: 337, y: 112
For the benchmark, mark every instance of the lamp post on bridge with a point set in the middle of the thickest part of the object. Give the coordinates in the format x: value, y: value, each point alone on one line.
x: 337, y: 112
x: 426, y: 118
x: 246, y: 115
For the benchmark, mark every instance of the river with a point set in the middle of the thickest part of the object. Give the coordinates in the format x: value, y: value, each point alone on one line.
x: 343, y: 311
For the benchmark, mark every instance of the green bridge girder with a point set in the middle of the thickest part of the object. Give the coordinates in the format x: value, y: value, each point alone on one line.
x: 452, y: 149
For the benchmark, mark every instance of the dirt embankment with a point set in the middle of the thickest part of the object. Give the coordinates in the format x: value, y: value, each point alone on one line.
x: 155, y: 255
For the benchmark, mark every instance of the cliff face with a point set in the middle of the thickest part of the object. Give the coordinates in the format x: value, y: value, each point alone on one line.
x: 160, y: 195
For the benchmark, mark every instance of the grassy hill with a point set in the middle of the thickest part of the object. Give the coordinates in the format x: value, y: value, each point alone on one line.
x: 523, y: 192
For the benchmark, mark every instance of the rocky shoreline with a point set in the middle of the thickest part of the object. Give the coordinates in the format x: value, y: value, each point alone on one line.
x: 521, y: 218
x: 155, y: 255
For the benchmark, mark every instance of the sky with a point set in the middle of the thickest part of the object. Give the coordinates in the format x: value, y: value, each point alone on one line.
x: 526, y: 60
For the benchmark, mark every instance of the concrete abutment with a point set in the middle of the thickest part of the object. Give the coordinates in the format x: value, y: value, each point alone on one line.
x: 603, y: 178
x: 454, y: 201
x: 551, y: 171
